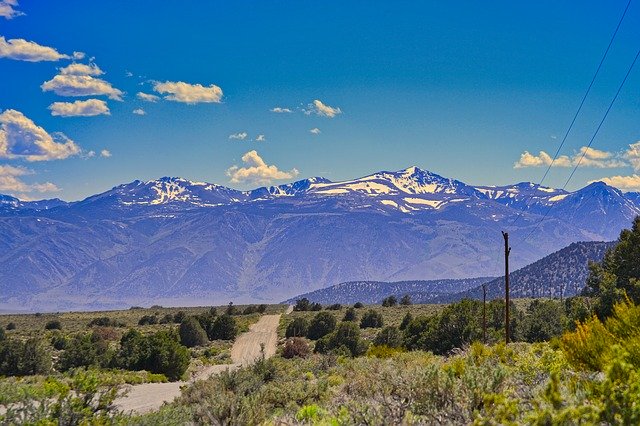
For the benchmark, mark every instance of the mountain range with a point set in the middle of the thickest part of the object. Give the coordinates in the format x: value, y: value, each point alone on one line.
x: 560, y: 274
x: 176, y: 241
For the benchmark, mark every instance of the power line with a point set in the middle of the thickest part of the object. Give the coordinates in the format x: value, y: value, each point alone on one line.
x: 584, y: 153
x: 575, y: 116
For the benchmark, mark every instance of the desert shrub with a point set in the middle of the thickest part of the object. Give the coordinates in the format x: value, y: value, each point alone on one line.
x: 105, y: 322
x: 84, y: 350
x: 371, y: 319
x: 192, y: 334
x: 11, y: 326
x: 544, y: 320
x: 304, y: 305
x: 59, y: 341
x: 296, y: 347
x: 322, y: 324
x: 179, y: 317
x: 3, y: 334
x: 53, y: 325
x: 406, y: 320
x: 358, y: 305
x: 250, y: 309
x: 577, y: 309
x: 389, y: 336
x: 406, y: 300
x: 224, y: 328
x: 231, y: 309
x: 262, y: 308
x: 382, y: 351
x: 159, y: 353
x: 148, y: 320
x: 19, y: 358
x: 350, y: 315
x: 334, y: 307
x: 389, y: 302
x: 344, y: 340
x: 167, y: 319
x: 299, y: 327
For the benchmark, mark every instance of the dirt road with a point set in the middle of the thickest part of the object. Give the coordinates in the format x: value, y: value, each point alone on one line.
x: 245, y: 350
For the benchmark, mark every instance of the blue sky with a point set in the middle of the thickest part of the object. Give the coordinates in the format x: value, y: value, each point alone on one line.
x: 459, y: 88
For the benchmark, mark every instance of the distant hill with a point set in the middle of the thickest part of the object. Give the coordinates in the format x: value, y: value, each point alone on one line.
x: 561, y: 273
x: 374, y: 291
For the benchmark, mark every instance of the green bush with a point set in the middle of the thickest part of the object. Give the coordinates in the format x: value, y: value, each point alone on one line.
x: 224, y: 328
x: 371, y: 319
x: 148, y: 320
x: 322, y: 324
x: 544, y: 320
x: 11, y: 326
x: 389, y: 336
x: 406, y: 300
x: 350, y: 315
x: 53, y: 325
x: 105, y: 322
x: 192, y: 334
x: 179, y: 317
x: 358, y: 305
x: 334, y: 307
x: 19, y: 358
x: 3, y: 334
x: 84, y: 350
x: 406, y: 320
x: 389, y: 302
x: 299, y: 327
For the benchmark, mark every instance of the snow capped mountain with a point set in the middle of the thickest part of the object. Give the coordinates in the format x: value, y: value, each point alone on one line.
x: 176, y: 241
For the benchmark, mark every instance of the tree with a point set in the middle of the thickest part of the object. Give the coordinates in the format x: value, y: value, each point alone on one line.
x: 83, y: 350
x: 148, y: 320
x: 358, y: 305
x: 299, y: 327
x: 3, y: 334
x: 192, y: 334
x: 301, y: 305
x: 345, y: 339
x: 618, y: 275
x: 389, y: 302
x: 322, y: 324
x: 231, y: 309
x: 53, y: 325
x: 544, y: 319
x: 295, y: 347
x: 11, y: 326
x: 224, y: 328
x: 180, y: 316
x: 406, y: 300
x: 371, y: 319
x: 350, y: 315
x: 23, y: 358
x: 406, y: 320
x: 389, y: 336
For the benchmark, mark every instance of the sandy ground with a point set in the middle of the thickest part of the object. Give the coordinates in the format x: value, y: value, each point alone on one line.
x: 245, y: 350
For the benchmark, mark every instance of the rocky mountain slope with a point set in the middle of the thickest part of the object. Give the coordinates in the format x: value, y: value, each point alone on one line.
x: 175, y: 241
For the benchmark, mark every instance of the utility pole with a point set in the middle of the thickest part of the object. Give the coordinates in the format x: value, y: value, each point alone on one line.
x: 507, y: 250
x: 484, y: 313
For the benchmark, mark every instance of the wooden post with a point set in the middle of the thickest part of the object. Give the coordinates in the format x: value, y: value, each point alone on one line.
x: 484, y: 313
x: 507, y: 250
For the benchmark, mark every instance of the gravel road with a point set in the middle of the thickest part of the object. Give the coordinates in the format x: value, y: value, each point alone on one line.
x: 245, y: 350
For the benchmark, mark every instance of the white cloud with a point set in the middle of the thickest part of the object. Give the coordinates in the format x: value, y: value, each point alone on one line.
x: 592, y: 158
x: 7, y: 9
x: 261, y: 138
x: 315, y: 131
x: 180, y: 91
x: 88, y: 108
x: 240, y: 136
x: 626, y: 183
x: 139, y: 111
x: 23, y: 50
x: 280, y: 110
x: 319, y: 108
x: 256, y: 171
x: 147, y: 97
x: 78, y: 55
x: 81, y: 69
x: 11, y: 181
x: 632, y: 155
x: 105, y: 153
x: 128, y: 74
x: 20, y: 137
x: 90, y: 154
x: 81, y: 85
